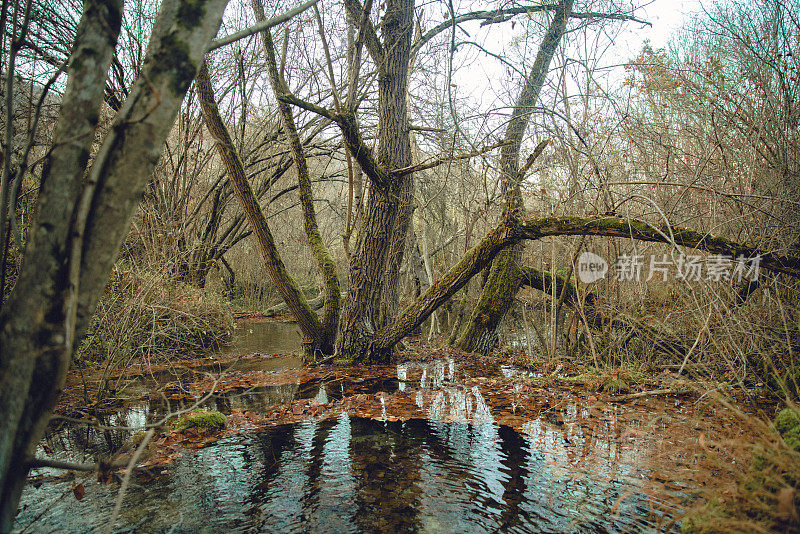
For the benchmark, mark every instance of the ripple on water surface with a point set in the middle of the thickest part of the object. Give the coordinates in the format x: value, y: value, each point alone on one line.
x: 361, y: 475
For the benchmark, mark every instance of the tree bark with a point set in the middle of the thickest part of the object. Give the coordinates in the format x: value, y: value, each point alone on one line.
x: 307, y: 320
x: 390, y: 299
x: 498, y: 293
x: 360, y: 317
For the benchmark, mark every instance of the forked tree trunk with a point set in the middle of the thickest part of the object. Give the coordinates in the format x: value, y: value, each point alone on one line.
x: 307, y: 320
x: 20, y: 352
x: 499, y: 291
x: 361, y: 313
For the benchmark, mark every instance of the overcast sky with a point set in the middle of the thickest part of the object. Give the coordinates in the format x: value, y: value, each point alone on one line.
x: 666, y: 16
x: 484, y: 80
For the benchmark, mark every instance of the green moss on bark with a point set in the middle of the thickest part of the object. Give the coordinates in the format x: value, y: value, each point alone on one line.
x: 190, y: 13
x: 174, y: 60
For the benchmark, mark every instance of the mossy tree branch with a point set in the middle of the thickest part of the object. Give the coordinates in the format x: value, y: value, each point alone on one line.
x: 509, y: 233
x: 260, y: 25
x: 662, y: 233
x: 327, y: 267
x: 543, y: 281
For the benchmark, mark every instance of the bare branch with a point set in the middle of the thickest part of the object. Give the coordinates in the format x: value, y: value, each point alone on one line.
x: 531, y: 160
x: 444, y: 159
x: 260, y: 26
x: 502, y: 15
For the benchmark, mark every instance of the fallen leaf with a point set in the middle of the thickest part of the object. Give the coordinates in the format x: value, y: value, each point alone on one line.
x: 79, y: 491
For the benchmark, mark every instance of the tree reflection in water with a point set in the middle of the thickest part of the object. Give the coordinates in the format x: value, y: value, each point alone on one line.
x: 363, y: 475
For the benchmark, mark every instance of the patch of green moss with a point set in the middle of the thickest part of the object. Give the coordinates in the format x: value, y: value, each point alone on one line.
x: 759, y: 459
x: 787, y: 420
x: 174, y: 60
x: 703, y: 521
x: 615, y: 386
x: 190, y: 13
x: 203, y: 419
x: 792, y: 438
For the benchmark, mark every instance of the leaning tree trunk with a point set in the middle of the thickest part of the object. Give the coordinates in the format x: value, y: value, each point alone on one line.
x: 330, y: 314
x: 509, y: 233
x: 499, y: 291
x: 81, y: 222
x: 361, y: 314
x: 307, y: 320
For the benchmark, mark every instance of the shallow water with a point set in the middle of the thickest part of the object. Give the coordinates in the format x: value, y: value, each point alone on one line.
x: 264, y: 336
x: 452, y: 469
x: 362, y: 475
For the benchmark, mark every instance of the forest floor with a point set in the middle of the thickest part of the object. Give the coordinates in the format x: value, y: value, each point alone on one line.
x: 688, y: 415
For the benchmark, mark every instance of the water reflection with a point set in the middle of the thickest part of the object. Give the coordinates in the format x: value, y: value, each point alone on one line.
x: 426, y: 375
x: 79, y: 442
x: 266, y: 337
x: 454, y: 468
x: 362, y: 475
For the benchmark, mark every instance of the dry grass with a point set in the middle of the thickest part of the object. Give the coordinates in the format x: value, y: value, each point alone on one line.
x: 154, y: 317
x: 763, y: 495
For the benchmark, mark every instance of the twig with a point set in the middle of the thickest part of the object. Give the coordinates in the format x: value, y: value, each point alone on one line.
x: 444, y: 159
x: 651, y: 393
x: 126, y: 481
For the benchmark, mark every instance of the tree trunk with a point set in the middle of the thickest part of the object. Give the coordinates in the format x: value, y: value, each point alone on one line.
x: 361, y: 314
x: 498, y: 293
x: 307, y: 320
x: 330, y: 314
x: 390, y: 300
x: 81, y: 223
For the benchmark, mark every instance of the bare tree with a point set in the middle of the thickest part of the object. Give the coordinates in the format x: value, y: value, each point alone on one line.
x: 82, y: 222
